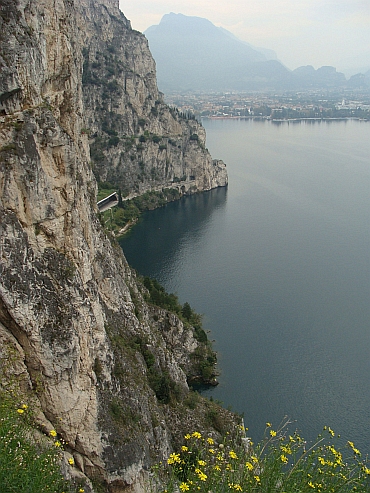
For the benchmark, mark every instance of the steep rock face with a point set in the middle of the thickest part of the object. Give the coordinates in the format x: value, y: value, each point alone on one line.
x: 105, y: 369
x: 137, y: 142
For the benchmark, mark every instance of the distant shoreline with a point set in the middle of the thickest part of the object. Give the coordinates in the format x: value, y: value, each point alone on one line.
x: 283, y: 119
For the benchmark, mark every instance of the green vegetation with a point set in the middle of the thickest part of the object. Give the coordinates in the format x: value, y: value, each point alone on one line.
x: 166, y: 390
x: 203, y: 358
x: 159, y: 297
x: 28, y: 464
x: 169, y: 301
x: 280, y: 463
x: 105, y: 189
x: 128, y: 211
x: 123, y: 415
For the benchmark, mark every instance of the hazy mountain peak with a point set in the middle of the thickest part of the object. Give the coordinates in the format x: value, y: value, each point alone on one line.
x: 191, y: 53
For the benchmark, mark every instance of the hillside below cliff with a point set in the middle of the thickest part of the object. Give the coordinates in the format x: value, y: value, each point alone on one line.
x: 81, y: 340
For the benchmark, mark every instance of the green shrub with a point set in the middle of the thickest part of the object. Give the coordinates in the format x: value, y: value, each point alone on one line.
x: 166, y: 390
x: 113, y: 141
x: 27, y: 465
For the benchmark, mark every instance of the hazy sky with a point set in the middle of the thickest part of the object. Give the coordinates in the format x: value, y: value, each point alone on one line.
x: 302, y: 32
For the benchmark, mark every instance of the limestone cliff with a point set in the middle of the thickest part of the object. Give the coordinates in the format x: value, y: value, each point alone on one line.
x: 137, y: 141
x: 106, y: 369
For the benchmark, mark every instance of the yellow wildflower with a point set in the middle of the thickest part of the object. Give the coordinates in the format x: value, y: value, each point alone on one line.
x: 173, y: 459
x: 249, y: 466
x: 217, y: 467
x: 232, y: 454
x: 24, y: 406
x: 355, y: 450
x: 286, y: 449
x: 268, y: 425
x: 201, y: 462
x: 187, y: 436
x: 53, y: 433
x: 235, y: 486
x: 284, y: 458
x: 71, y: 461
x: 210, y: 441
x: 184, y: 487
x: 202, y: 476
x: 211, y: 451
x: 257, y: 479
x: 184, y: 448
x: 196, y: 434
x: 81, y: 490
x: 273, y: 433
x: 57, y: 443
x: 20, y: 411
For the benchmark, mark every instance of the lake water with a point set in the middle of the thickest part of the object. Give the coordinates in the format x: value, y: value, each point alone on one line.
x: 279, y: 264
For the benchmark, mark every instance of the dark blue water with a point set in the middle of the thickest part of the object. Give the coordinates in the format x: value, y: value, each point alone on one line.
x: 279, y: 264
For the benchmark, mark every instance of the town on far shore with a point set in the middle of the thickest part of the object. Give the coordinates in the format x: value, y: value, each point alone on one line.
x: 314, y: 104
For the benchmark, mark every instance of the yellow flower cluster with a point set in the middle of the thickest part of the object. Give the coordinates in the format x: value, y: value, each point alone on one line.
x: 355, y: 450
x: 174, y: 459
x: 206, y: 466
x: 22, y: 409
x: 235, y: 486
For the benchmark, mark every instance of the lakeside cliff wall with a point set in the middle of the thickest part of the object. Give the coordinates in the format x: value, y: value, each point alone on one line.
x: 137, y: 141
x: 101, y: 365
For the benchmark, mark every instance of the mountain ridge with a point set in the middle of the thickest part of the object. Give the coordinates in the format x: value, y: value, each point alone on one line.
x: 193, y: 54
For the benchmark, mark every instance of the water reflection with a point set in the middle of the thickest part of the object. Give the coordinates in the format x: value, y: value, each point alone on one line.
x: 159, y: 238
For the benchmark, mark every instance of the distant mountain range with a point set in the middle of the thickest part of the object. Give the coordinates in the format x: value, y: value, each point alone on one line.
x: 191, y: 53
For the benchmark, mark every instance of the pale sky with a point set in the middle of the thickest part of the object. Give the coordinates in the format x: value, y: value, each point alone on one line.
x: 302, y: 32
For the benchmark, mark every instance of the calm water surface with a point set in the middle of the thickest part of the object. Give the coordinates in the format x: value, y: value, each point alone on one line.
x: 279, y: 264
